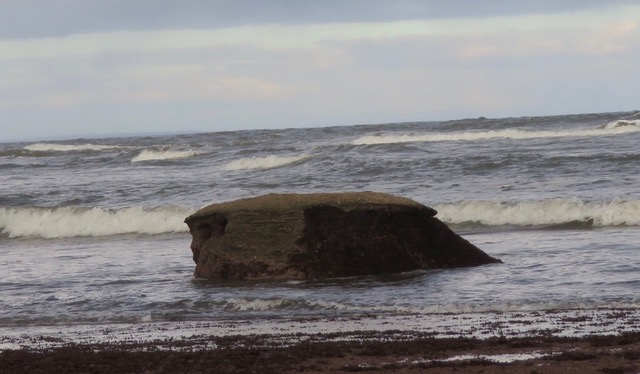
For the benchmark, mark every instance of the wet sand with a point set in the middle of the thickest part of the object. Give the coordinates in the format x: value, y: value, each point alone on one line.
x: 600, y: 341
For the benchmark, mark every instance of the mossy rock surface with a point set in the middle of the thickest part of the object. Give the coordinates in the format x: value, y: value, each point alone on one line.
x: 306, y: 236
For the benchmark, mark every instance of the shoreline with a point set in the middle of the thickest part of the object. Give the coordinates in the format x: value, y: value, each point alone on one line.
x: 600, y: 340
x: 341, y: 354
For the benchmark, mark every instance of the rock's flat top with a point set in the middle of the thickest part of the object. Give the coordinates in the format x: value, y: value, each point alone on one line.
x: 284, y: 202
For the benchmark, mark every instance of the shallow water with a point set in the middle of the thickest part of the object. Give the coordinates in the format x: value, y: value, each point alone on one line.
x: 93, y: 232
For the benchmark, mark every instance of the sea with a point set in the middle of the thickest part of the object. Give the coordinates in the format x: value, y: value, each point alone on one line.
x: 92, y: 231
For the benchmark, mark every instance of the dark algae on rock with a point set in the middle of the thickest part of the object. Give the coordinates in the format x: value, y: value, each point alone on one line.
x: 303, y: 236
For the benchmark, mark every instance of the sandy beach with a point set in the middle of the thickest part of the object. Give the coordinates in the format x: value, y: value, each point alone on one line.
x: 581, y: 341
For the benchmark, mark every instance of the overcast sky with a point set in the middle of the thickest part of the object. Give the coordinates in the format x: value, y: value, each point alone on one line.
x: 94, y: 67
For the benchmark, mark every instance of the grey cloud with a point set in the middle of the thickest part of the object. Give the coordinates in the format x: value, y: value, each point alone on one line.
x: 44, y: 18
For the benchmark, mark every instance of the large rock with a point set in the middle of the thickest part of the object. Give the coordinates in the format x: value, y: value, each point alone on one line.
x: 292, y: 236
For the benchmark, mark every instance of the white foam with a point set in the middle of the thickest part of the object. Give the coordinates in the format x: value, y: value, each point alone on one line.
x: 256, y: 304
x: 268, y: 162
x: 243, y: 304
x: 151, y: 154
x: 544, y: 212
x: 563, y: 323
x: 504, y: 358
x: 68, y: 147
x: 277, y: 304
x: 495, y: 134
x: 68, y: 222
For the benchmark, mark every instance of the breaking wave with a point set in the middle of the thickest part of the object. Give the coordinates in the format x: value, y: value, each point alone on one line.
x: 612, y: 128
x: 42, y: 147
x: 268, y: 162
x: 152, y: 154
x: 66, y: 222
x: 631, y: 123
x: 554, y: 212
x: 282, y: 304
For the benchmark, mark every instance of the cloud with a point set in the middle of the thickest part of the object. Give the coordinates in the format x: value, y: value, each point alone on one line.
x: 612, y: 23
x: 175, y: 84
x: 606, y: 39
x: 612, y: 38
x: 331, y: 72
x: 37, y: 19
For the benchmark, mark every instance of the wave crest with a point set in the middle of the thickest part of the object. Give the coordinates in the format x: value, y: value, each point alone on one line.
x: 542, y: 213
x: 152, y: 154
x: 268, y: 162
x: 43, y: 147
x: 614, y: 128
x: 632, y: 123
x: 66, y: 222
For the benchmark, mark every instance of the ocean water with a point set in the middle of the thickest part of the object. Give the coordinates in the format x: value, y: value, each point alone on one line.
x: 92, y: 232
